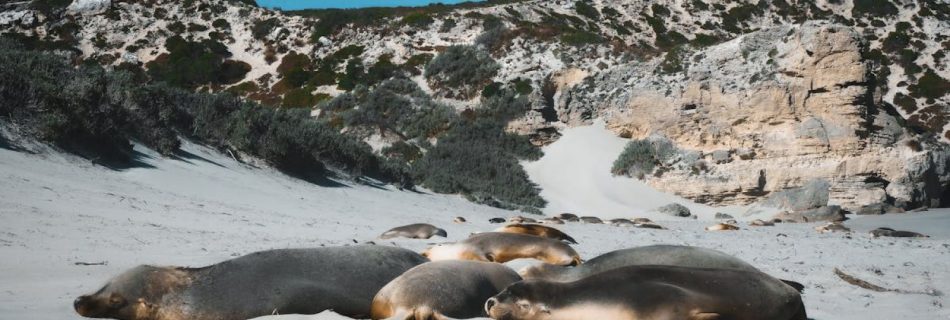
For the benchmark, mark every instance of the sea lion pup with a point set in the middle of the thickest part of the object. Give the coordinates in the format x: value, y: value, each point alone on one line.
x: 888, y: 232
x: 436, y: 290
x: 414, y: 231
x: 669, y: 255
x: 832, y: 227
x: 761, y: 223
x: 459, y: 220
x: 537, y: 230
x: 594, y: 220
x: 496, y: 220
x: 721, y: 227
x: 569, y: 217
x: 286, y: 281
x: 503, y: 247
x: 652, y: 292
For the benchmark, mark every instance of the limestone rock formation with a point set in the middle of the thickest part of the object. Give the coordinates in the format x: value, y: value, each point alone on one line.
x: 769, y: 111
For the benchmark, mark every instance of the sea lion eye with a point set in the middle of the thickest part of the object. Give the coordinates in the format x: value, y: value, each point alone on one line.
x: 116, y: 301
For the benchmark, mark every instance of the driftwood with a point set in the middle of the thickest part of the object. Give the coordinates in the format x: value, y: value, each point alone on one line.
x: 873, y: 287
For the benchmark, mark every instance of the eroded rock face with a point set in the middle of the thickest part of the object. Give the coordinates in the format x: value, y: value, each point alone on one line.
x: 89, y: 6
x: 769, y: 111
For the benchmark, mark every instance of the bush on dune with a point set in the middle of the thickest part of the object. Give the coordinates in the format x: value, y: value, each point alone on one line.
x: 96, y: 114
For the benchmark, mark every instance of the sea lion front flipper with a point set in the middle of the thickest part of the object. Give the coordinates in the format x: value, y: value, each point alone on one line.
x: 705, y: 316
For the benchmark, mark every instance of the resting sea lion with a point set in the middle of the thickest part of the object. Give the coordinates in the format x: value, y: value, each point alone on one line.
x: 503, y: 247
x: 721, y: 227
x: 496, y: 220
x: 435, y: 290
x: 520, y: 219
x: 414, y: 231
x: 622, y: 223
x: 670, y: 255
x: 459, y: 220
x: 761, y: 223
x: 569, y: 217
x: 888, y: 232
x: 537, y: 230
x: 594, y: 220
x: 649, y: 225
x: 287, y: 281
x: 552, y: 220
x: 652, y: 292
x: 832, y: 227
x: 642, y: 220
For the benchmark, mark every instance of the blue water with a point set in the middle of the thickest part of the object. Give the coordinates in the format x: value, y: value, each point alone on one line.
x: 349, y: 4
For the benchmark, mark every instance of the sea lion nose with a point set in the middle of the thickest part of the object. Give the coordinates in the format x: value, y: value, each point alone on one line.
x: 80, y: 305
x: 490, y: 303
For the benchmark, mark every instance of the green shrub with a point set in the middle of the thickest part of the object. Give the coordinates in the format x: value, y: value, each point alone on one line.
x: 873, y: 8
x: 640, y: 157
x: 465, y: 68
x: 261, y: 28
x: 930, y: 86
x: 417, y: 20
x: 585, y: 9
x: 190, y: 64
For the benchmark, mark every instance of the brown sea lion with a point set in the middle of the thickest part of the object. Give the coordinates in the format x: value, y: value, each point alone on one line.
x: 551, y: 220
x: 594, y: 220
x: 649, y: 225
x: 414, y: 231
x: 286, y: 281
x: 503, y: 247
x: 888, y: 232
x: 569, y: 217
x: 496, y: 220
x: 652, y: 292
x: 537, y: 230
x: 459, y: 220
x: 761, y: 223
x: 670, y: 255
x: 436, y: 290
x: 621, y: 223
x: 642, y: 220
x: 520, y: 219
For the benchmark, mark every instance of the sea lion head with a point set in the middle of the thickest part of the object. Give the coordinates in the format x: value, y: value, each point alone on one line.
x: 521, y: 300
x: 132, y: 295
x: 440, y: 232
x: 452, y: 251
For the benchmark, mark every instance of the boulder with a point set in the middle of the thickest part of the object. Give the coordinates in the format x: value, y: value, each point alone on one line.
x: 877, y: 209
x: 89, y: 6
x: 826, y: 213
x: 674, y: 209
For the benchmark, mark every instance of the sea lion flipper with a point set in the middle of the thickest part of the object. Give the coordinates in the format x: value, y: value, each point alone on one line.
x: 705, y: 316
x: 798, y: 286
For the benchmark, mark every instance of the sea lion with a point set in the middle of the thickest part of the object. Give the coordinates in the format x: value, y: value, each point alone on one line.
x: 520, y: 219
x: 888, y: 232
x: 652, y: 292
x: 649, y: 225
x: 503, y: 247
x: 569, y: 217
x: 594, y: 220
x: 537, y: 230
x: 642, y: 220
x: 436, y: 290
x: 622, y: 223
x: 496, y: 220
x: 832, y: 227
x: 286, y: 281
x: 670, y: 255
x: 414, y: 231
x: 459, y: 220
x: 721, y: 227
x: 551, y: 220
x: 761, y: 223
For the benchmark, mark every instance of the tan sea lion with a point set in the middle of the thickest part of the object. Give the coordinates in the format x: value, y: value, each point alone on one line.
x: 642, y: 220
x: 721, y: 227
x: 436, y: 290
x: 414, y: 231
x: 652, y: 292
x: 551, y: 220
x: 888, y: 232
x: 832, y: 227
x: 670, y: 255
x: 459, y: 220
x: 520, y: 219
x: 537, y: 230
x: 503, y: 247
x: 286, y: 281
x: 761, y: 223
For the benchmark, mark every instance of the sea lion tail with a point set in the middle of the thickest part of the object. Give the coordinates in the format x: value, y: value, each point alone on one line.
x: 798, y: 286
